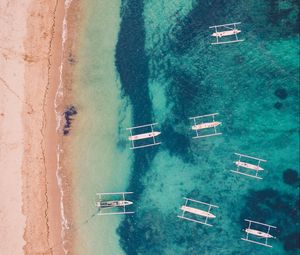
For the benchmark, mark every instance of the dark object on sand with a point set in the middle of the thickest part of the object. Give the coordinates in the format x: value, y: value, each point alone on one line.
x: 69, y: 112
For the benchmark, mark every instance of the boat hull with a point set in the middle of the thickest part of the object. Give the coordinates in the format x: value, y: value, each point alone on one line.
x: 249, y: 166
x: 113, y: 203
x: 206, y: 125
x: 258, y: 233
x: 197, y: 211
x: 226, y: 33
x: 143, y: 136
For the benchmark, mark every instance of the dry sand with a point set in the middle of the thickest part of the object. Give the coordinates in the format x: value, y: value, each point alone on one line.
x: 30, y: 56
x: 12, y: 70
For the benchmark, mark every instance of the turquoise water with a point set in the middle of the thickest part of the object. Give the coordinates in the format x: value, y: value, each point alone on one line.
x: 155, y: 64
x: 254, y: 87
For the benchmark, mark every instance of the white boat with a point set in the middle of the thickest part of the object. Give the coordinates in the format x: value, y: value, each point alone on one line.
x: 249, y: 166
x: 206, y: 125
x: 113, y: 203
x: 226, y: 33
x: 258, y: 233
x: 197, y: 211
x: 143, y: 136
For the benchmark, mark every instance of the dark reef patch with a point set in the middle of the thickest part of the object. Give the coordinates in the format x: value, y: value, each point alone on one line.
x: 145, y: 236
x: 69, y: 112
x: 185, y: 91
x: 132, y: 65
x: 239, y: 59
x: 283, y: 18
x: 132, y: 62
x: 291, y: 177
x: 279, y: 18
x: 292, y: 242
x: 156, y: 231
x: 278, y: 105
x: 275, y: 208
x: 131, y: 228
x: 176, y: 143
x: 281, y: 93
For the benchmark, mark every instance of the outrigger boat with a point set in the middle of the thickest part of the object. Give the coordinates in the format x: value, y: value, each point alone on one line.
x: 106, y: 205
x: 248, y: 166
x: 148, y: 136
x: 258, y: 233
x: 196, y: 211
x: 205, y: 125
x: 230, y: 31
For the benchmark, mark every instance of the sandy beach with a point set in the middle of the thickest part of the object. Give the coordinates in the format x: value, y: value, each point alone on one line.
x: 31, y: 43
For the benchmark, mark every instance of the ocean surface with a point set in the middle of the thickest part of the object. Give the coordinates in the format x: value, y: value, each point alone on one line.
x: 151, y: 61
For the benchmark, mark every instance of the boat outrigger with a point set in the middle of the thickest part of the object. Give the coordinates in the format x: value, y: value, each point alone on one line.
x: 196, y: 211
x: 258, y: 233
x: 198, y: 127
x: 149, y: 136
x: 230, y: 31
x: 105, y: 205
x: 248, y: 166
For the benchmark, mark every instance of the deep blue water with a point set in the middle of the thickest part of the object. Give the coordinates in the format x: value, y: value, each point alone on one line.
x: 170, y: 72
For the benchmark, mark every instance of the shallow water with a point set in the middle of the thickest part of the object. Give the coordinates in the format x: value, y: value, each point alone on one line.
x: 102, y: 113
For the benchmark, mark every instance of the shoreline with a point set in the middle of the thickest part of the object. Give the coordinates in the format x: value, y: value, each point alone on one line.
x: 63, y: 99
x: 58, y: 95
